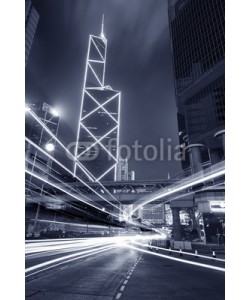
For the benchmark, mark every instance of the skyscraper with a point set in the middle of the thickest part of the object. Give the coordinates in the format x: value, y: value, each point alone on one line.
x: 96, y: 151
x: 198, y: 44
x: 31, y: 21
x: 197, y: 30
x: 122, y: 169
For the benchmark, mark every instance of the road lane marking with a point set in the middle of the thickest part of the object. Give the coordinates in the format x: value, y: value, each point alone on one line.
x: 122, y: 288
x: 118, y: 296
x: 125, y: 282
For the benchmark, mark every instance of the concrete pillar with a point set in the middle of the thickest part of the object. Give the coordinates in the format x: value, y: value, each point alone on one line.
x: 195, y: 157
x: 214, y: 156
x: 176, y: 224
x: 192, y: 217
x: 221, y: 135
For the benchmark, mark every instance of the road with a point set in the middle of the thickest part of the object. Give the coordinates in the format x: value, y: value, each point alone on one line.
x: 125, y: 273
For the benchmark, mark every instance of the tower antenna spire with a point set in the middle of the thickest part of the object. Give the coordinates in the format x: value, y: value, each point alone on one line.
x: 102, y: 32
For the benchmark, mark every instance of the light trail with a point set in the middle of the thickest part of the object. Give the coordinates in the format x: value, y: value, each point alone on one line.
x: 64, y: 260
x: 178, y: 252
x: 180, y: 187
x: 82, y: 248
x: 60, y: 199
x: 82, y: 200
x: 178, y: 259
x: 71, y: 173
x: 68, y: 152
x: 189, y: 193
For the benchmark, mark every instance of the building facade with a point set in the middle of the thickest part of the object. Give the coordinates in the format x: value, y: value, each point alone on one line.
x: 122, y: 169
x: 31, y: 21
x: 197, y: 30
x: 96, y: 151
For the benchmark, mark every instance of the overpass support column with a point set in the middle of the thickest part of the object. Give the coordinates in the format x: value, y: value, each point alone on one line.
x: 221, y: 135
x: 195, y: 157
x: 176, y: 223
x: 193, y: 218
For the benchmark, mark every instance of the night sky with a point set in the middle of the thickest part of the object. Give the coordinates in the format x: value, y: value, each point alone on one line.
x: 139, y: 64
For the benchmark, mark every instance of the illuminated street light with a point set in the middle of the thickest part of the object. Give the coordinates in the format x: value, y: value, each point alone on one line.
x: 50, y: 147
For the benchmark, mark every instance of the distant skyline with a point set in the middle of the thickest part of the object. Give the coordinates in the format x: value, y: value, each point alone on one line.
x: 139, y: 64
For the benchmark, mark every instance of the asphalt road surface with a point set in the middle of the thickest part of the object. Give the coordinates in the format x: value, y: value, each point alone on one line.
x: 124, y: 273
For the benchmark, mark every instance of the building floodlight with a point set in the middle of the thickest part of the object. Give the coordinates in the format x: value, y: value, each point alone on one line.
x: 50, y: 147
x: 54, y: 112
x: 47, y: 108
x: 27, y: 108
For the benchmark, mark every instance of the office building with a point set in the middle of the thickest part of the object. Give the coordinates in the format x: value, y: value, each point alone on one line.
x: 96, y: 152
x: 197, y: 30
x: 31, y: 21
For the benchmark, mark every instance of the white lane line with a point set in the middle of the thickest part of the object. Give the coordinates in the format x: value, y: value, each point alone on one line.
x: 118, y: 296
x: 128, y: 277
x: 125, y: 282
x: 122, y: 288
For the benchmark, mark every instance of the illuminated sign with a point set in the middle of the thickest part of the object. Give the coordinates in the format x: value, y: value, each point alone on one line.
x: 217, y: 206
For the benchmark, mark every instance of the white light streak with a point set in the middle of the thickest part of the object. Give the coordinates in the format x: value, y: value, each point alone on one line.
x: 174, y: 189
x: 179, y: 259
x: 176, y: 251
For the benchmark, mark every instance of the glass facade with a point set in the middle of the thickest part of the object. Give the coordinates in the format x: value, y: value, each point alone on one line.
x: 98, y: 134
x: 205, y: 111
x: 31, y: 21
x: 198, y: 38
x: 153, y: 213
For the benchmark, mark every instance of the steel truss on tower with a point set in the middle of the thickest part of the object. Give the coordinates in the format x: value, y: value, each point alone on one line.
x: 96, y: 151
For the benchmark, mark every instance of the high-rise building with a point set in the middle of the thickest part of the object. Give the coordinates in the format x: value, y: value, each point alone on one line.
x: 197, y: 30
x: 153, y: 214
x: 97, y: 144
x: 122, y: 169
x: 198, y: 44
x: 31, y: 21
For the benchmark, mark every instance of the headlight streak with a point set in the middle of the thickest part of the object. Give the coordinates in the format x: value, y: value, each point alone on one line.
x: 64, y: 249
x: 62, y: 246
x: 178, y: 259
x: 189, y: 193
x: 58, y: 198
x: 180, y: 187
x: 34, y: 246
x: 91, y: 246
x: 64, y: 191
x: 71, y: 173
x: 66, y: 261
x: 82, y: 200
x: 69, y: 153
x: 176, y: 251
